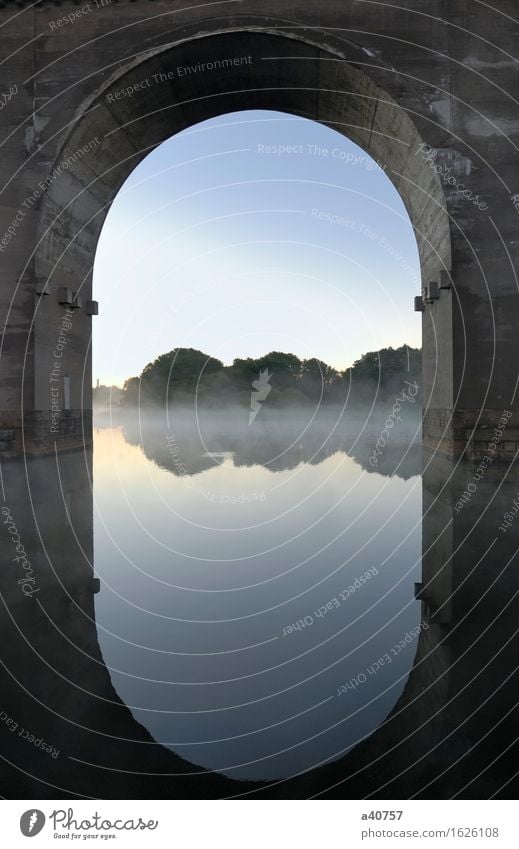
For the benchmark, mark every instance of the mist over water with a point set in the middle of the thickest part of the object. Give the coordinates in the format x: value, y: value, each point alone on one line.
x: 185, y: 438
x: 253, y: 576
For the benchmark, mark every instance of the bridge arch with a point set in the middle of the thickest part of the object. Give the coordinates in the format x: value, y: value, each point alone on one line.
x: 152, y: 98
x: 443, y: 74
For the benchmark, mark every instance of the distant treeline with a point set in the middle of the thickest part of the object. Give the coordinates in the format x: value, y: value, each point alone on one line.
x: 106, y: 396
x: 185, y: 374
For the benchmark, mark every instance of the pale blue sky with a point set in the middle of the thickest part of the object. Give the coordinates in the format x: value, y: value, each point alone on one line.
x: 220, y: 241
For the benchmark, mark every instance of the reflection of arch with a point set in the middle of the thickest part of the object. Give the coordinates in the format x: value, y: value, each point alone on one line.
x: 113, y: 131
x: 450, y: 731
x: 453, y: 730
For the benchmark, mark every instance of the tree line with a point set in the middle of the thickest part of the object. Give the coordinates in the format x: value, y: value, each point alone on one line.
x: 184, y: 375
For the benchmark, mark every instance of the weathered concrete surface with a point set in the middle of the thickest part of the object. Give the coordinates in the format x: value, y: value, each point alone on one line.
x: 390, y: 77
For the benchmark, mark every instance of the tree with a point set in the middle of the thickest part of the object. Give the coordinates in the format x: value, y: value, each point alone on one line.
x: 317, y: 378
x: 182, y: 371
x: 185, y: 373
x: 130, y: 393
x: 383, y: 372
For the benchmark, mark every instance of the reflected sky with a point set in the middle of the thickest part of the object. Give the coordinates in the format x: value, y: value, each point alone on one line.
x: 205, y: 575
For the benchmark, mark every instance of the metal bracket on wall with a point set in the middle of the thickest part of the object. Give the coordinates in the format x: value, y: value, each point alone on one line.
x: 431, y: 291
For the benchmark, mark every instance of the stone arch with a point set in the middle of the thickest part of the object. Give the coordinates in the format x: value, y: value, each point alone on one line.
x: 427, y: 69
x: 152, y: 98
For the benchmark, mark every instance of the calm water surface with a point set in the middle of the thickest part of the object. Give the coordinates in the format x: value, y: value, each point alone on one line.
x: 247, y: 594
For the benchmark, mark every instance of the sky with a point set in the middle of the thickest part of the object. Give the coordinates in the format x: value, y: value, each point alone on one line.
x: 252, y: 232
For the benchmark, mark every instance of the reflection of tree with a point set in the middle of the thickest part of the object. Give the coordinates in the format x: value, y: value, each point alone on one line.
x: 179, y: 451
x: 402, y: 460
x: 277, y: 441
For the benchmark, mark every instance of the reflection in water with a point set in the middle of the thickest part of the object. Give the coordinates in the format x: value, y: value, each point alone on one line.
x: 452, y: 723
x: 186, y: 444
x: 56, y: 690
x: 245, y: 587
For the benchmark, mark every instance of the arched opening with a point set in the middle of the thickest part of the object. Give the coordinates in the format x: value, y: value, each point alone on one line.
x: 232, y: 212
x: 245, y: 545
x: 149, y: 101
x: 139, y: 110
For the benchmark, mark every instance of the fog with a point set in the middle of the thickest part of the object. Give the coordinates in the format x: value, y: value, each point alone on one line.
x: 188, y: 440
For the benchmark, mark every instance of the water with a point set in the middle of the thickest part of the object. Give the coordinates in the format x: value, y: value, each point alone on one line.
x: 257, y: 585
x: 249, y: 694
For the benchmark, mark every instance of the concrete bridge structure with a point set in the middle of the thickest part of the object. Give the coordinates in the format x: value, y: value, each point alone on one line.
x: 429, y: 89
